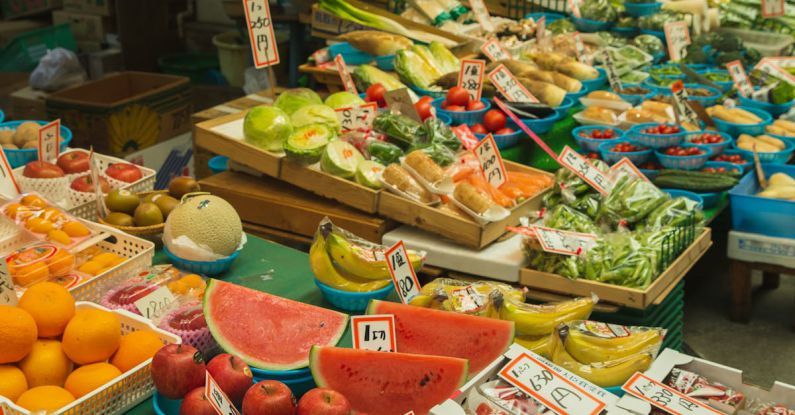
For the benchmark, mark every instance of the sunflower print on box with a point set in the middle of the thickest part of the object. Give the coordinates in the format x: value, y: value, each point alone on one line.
x: 133, y: 128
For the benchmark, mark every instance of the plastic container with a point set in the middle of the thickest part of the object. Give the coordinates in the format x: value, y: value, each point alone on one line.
x: 201, y: 68
x: 735, y: 129
x: 23, y: 156
x: 446, y: 119
x: 575, y: 96
x: 635, y: 99
x: 218, y: 164
x: 716, y: 148
x: 780, y: 157
x: 711, y: 199
x: 506, y: 140
x: 680, y: 75
x: 592, y: 144
x: 768, y: 43
x: 654, y: 140
x: 659, y: 34
x: 749, y: 161
x: 641, y: 9
x: 725, y: 86
x: 598, y: 83
x: 351, y: 301
x: 725, y: 164
x: 22, y: 53
x: 636, y: 157
x: 429, y: 93
x: 462, y: 117
x: 684, y: 193
x: 209, y: 268
x: 588, y: 25
x: 764, y: 216
x: 550, y: 17
x: 706, y: 101
x: 543, y: 125
x: 386, y: 63
x: 565, y: 106
x: 656, y: 57
x: 234, y: 56
x: 773, y: 109
x: 694, y: 162
x: 351, y: 55
x: 299, y: 381
x: 625, y: 31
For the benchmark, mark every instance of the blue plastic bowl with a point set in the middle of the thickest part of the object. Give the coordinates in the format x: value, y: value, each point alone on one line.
x: 667, y: 65
x: 24, y: 156
x: 706, y: 101
x: 592, y: 144
x: 716, y: 148
x: 615, y: 390
x: 350, y: 301
x: 641, y: 9
x: 2, y: 116
x: 209, y: 268
x: 725, y: 164
x: 564, y: 106
x: 386, y: 63
x: 588, y: 25
x: 462, y: 117
x: 684, y: 193
x: 657, y: 57
x: 725, y: 86
x: 575, y: 96
x: 505, y: 140
x: 430, y: 93
x: 218, y: 164
x: 711, y: 199
x: 659, y: 34
x: 165, y: 406
x: 749, y: 161
x: 635, y: 99
x: 734, y: 129
x: 598, y: 83
x: 636, y: 157
x: 653, y: 140
x: 298, y: 380
x: 543, y: 125
x: 625, y: 31
x: 550, y: 17
x: 446, y: 119
x: 755, y: 214
x: 684, y: 162
x: 773, y: 109
x: 778, y: 157
x: 351, y: 55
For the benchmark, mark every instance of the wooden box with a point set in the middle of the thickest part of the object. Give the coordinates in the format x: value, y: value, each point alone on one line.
x: 332, y: 187
x: 630, y: 297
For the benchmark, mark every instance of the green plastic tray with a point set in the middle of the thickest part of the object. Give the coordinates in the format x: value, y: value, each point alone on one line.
x: 23, y: 52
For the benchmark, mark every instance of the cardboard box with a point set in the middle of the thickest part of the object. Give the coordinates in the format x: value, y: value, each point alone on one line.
x: 85, y: 27
x: 11, y: 82
x: 98, y: 7
x: 752, y: 247
x: 28, y: 104
x: 12, y: 9
x: 169, y: 158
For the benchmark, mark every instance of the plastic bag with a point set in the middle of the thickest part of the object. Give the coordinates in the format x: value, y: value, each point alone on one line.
x: 674, y: 212
x: 180, y: 284
x: 596, y: 342
x: 630, y: 201
x: 697, y: 386
x: 498, y: 397
x: 57, y: 69
x: 757, y: 407
x: 478, y: 298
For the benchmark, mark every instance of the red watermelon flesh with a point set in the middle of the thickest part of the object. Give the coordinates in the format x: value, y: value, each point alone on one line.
x: 386, y: 383
x: 267, y: 331
x: 445, y: 333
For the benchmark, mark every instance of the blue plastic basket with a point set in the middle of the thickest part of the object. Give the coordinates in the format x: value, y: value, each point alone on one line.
x: 428, y: 93
x: 653, y: 140
x: 24, y: 156
x: 659, y: 34
x: 462, y: 117
x: 749, y: 162
x: 773, y: 109
x: 779, y: 157
x: 615, y: 390
x: 550, y: 17
x: 735, y: 129
x: 716, y: 148
x: 351, y: 55
x: 725, y: 86
x: 656, y: 57
x: 165, y: 406
x: 592, y: 144
x: 635, y: 99
x: 446, y: 119
x: 689, y: 195
x: 706, y: 101
x: 684, y: 162
x: 649, y: 173
x: 505, y: 140
x: 725, y: 164
x: 564, y: 107
x: 218, y: 164
x: 209, y: 268
x: 765, y: 216
x: 641, y: 9
x: 588, y: 25
x: 711, y: 199
x: 351, y: 301
x: 667, y: 65
x: 598, y: 83
x: 298, y: 380
x: 2, y: 116
x: 636, y: 157
x: 386, y: 63
x: 543, y: 125
x: 575, y: 96
x: 625, y: 31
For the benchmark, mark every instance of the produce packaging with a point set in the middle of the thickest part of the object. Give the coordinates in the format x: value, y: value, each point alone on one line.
x: 45, y: 221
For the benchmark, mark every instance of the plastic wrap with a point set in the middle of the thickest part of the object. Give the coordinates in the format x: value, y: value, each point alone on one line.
x: 136, y: 287
x: 498, y: 397
x: 45, y: 221
x: 697, y: 386
x: 674, y: 212
x: 480, y: 298
x: 596, y: 342
x: 758, y: 407
x: 630, y: 201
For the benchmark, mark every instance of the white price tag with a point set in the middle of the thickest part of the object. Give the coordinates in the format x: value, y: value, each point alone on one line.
x: 260, y: 33
x: 665, y: 397
x: 374, y: 332
x: 8, y: 295
x: 509, y: 86
x: 218, y: 399
x: 579, y: 48
x: 564, y: 242
x: 347, y: 80
x: 8, y: 184
x: 99, y: 199
x: 557, y: 393
x: 406, y: 283
x: 772, y: 8
x: 494, y: 51
x: 481, y: 15
x: 399, y: 100
x: 585, y: 170
x: 684, y: 111
x: 467, y: 299
x: 357, y: 118
x: 470, y: 77
x: 610, y: 67
x: 677, y: 36
x: 49, y: 141
x: 775, y: 66
x: 541, y: 30
x: 154, y: 304
x: 626, y: 167
x: 491, y: 163
x: 740, y: 78
x: 574, y: 6
x: 467, y: 137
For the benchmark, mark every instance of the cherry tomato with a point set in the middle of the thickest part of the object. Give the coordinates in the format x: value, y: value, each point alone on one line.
x: 424, y: 109
x: 593, y: 156
x: 503, y: 131
x: 475, y: 105
x: 455, y: 108
x: 375, y: 93
x: 494, y: 120
x: 479, y: 129
x: 458, y: 96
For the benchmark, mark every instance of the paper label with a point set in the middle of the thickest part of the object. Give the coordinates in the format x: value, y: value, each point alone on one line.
x: 357, y: 118
x: 625, y: 166
x: 8, y: 184
x: 347, y: 80
x: 8, y: 295
x: 494, y: 51
x: 541, y: 30
x: 574, y: 6
x: 49, y: 141
x: 400, y: 100
x: 610, y: 68
x: 557, y: 393
x: 491, y: 163
x: 665, y: 397
x: 682, y: 108
x: 481, y: 15
x: 564, y: 242
x: 772, y: 8
x: 467, y: 299
x: 521, y: 230
x: 98, y: 196
x: 776, y: 65
x: 677, y: 36
x: 579, y: 48
x: 154, y: 304
x: 606, y: 330
x: 374, y: 332
x: 740, y: 78
x: 467, y: 137
x: 260, y: 33
x: 525, y: 128
x: 470, y: 77
x: 218, y: 399
x: 406, y: 283
x: 509, y: 86
x: 585, y: 170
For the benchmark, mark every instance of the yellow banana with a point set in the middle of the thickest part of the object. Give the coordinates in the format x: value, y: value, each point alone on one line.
x: 537, y: 345
x: 588, y: 348
x: 362, y: 262
x: 537, y: 320
x: 326, y: 273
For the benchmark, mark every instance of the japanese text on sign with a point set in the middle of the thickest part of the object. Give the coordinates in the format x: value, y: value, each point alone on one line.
x: 610, y: 67
x: 8, y: 295
x: 772, y: 8
x: 626, y: 167
x: 467, y: 299
x: 549, y: 387
x: 665, y: 398
x: 471, y: 77
x: 677, y: 35
x: 509, y: 86
x: 154, y: 304
x: 467, y: 137
x: 481, y: 14
x: 347, y: 80
x: 8, y: 184
x: 218, y: 399
x: 357, y: 118
x: 406, y: 283
x: 564, y: 242
x: 585, y: 170
x: 260, y: 32
x: 740, y: 78
x: 778, y: 66
x: 491, y: 163
x: 685, y: 112
x: 494, y: 50
x: 374, y: 332
x: 49, y: 141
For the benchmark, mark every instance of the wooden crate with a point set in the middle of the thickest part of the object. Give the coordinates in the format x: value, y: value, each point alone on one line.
x: 331, y: 79
x: 630, y: 297
x: 332, y: 187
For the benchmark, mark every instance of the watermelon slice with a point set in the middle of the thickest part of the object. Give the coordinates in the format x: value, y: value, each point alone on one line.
x: 444, y: 333
x: 387, y: 383
x: 267, y: 331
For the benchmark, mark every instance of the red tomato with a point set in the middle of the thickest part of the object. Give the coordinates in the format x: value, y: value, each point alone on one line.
x: 593, y: 156
x: 424, y: 109
x: 375, y: 93
x: 425, y: 99
x: 475, y: 105
x: 505, y: 130
x: 444, y: 104
x: 494, y: 120
x: 479, y: 129
x: 455, y: 108
x: 458, y: 96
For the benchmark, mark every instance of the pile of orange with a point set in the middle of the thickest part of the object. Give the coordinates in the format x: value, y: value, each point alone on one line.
x: 190, y: 284
x: 101, y: 262
x: 41, y: 218
x: 53, y: 354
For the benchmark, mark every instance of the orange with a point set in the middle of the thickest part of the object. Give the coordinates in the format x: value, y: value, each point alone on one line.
x: 52, y: 214
x: 89, y: 377
x: 106, y: 259
x: 135, y: 348
x: 39, y: 225
x: 61, y: 263
x: 59, y: 236
x: 33, y: 200
x: 46, y: 364
x: 91, y: 267
x: 50, y: 305
x: 178, y: 287
x: 91, y: 336
x: 75, y: 229
x: 30, y: 274
x: 45, y: 398
x: 193, y: 281
x: 12, y: 382
x: 11, y: 210
x: 17, y: 333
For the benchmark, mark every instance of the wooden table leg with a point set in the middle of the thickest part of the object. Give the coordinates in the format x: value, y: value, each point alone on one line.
x: 740, y: 273
x: 770, y: 280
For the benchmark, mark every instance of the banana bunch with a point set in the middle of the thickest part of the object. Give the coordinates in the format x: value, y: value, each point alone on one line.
x: 478, y: 298
x: 133, y: 128
x: 541, y: 319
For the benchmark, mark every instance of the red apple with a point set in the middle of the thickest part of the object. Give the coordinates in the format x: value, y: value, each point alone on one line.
x: 84, y: 184
x: 177, y: 369
x: 269, y: 397
x: 195, y: 403
x: 42, y: 170
x: 73, y: 162
x: 323, y: 401
x: 124, y: 171
x: 233, y: 376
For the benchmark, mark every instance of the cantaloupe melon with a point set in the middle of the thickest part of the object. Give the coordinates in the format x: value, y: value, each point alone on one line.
x: 208, y: 221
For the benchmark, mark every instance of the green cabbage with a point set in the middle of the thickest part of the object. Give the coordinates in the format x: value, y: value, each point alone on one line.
x: 316, y: 114
x: 343, y: 99
x: 267, y: 127
x: 292, y: 99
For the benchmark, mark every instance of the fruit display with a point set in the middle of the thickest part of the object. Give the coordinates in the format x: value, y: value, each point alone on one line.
x: 187, y: 288
x: 44, y: 178
x: 127, y: 209
x: 707, y: 138
x: 45, y: 221
x: 203, y: 228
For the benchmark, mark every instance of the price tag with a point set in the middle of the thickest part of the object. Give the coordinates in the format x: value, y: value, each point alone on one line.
x: 525, y: 128
x: 626, y: 167
x: 740, y: 78
x: 574, y: 6
x: 677, y: 36
x: 775, y: 66
x: 467, y: 137
x: 585, y: 170
x: 491, y: 163
x: 8, y: 295
x: 406, y: 283
x: 8, y: 184
x: 467, y: 299
x: 610, y: 68
x: 470, y: 77
x: 665, y: 397
x: 260, y: 33
x: 99, y: 198
x: 154, y: 304
x: 550, y: 388
x: 772, y: 8
x: 218, y: 399
x: 357, y: 118
x: 683, y: 110
x: 400, y: 101
x: 564, y: 242
x: 481, y: 15
x: 541, y: 30
x: 579, y: 48
x: 347, y: 80
x: 509, y: 86
x: 49, y: 141
x: 494, y: 51
x: 374, y: 332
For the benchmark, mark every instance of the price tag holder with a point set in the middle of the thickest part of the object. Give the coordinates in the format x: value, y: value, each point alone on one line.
x: 612, y: 75
x: 260, y: 33
x: 357, y: 118
x: 683, y: 110
x: 347, y: 80
x: 549, y: 387
x: 406, y: 283
x: 374, y: 332
x: 665, y: 397
x: 772, y: 8
x: 494, y: 51
x: 400, y: 100
x: 509, y: 86
x: 8, y: 184
x: 467, y: 137
x: 677, y: 36
x: 626, y: 167
x: 740, y: 78
x: 574, y: 6
x: 525, y: 128
x: 775, y: 66
x: 470, y: 77
x: 564, y: 242
x: 481, y: 14
x: 585, y: 170
x: 218, y: 399
x: 8, y: 295
x: 491, y: 163
x: 154, y: 304
x: 49, y: 141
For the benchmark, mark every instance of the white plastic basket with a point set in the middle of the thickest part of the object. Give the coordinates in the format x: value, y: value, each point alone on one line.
x: 120, y: 394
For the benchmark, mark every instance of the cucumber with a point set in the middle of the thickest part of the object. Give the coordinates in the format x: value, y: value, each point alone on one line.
x: 696, y: 181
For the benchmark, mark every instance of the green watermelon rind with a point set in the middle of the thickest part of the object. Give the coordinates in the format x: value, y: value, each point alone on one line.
x: 251, y: 361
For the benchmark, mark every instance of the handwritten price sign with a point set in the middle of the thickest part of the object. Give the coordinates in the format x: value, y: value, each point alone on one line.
x: 494, y: 51
x: 677, y: 35
x: 574, y: 6
x: 509, y: 86
x: 491, y: 163
x: 665, y: 398
x: 610, y: 67
x: 8, y: 184
x: 564, y: 242
x: 685, y: 112
x: 50, y: 141
x: 260, y: 33
x: 406, y: 283
x: 467, y: 137
x: 470, y: 77
x: 155, y: 303
x: 772, y: 8
x: 626, y: 167
x: 218, y: 399
x: 740, y: 78
x: 374, y: 332
x: 357, y: 118
x: 347, y: 80
x: 585, y: 170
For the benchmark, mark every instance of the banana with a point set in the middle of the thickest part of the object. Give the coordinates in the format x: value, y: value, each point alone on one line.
x: 590, y: 349
x: 326, y: 273
x: 362, y: 262
x: 537, y: 345
x: 537, y: 320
